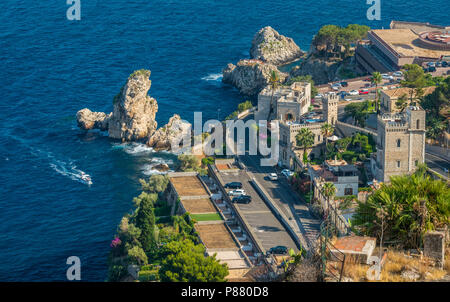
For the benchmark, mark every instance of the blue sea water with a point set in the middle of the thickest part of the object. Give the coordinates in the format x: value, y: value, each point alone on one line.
x: 51, y: 67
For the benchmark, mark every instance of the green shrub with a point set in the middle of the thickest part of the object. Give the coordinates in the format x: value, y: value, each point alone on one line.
x: 148, y: 275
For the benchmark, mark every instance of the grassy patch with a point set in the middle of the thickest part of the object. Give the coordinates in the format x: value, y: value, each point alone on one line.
x: 395, y: 264
x: 206, y: 217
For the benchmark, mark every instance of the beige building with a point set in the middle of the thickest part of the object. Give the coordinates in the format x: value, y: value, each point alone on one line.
x: 291, y: 155
x: 400, y: 143
x: 289, y: 102
x: 388, y: 98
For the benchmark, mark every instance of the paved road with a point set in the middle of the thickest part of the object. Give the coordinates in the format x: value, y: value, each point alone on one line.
x: 437, y: 164
x: 266, y: 227
x: 288, y: 200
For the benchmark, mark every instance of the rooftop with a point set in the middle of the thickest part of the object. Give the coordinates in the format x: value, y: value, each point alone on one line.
x: 398, y: 92
x: 188, y: 186
x: 215, y: 236
x: 197, y: 206
x: 404, y: 42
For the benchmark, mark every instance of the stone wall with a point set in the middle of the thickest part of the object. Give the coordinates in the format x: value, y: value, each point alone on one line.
x: 434, y: 247
x: 349, y: 130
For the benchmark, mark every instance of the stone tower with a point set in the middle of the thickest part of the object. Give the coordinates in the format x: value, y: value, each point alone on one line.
x: 400, y: 142
x: 330, y: 108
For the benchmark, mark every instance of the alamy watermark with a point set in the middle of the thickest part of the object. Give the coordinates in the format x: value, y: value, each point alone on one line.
x: 74, y: 270
x: 74, y: 11
x: 229, y: 138
x: 374, y: 11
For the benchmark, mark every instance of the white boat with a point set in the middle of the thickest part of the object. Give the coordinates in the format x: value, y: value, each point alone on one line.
x: 86, y: 178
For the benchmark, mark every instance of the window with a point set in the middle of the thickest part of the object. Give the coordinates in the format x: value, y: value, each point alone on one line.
x: 398, y: 143
x: 418, y: 124
x: 318, y: 138
x: 348, y: 191
x: 398, y: 164
x: 416, y: 162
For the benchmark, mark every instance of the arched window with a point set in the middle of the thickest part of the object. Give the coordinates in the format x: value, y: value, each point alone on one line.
x: 417, y: 124
x: 289, y: 117
x: 398, y: 143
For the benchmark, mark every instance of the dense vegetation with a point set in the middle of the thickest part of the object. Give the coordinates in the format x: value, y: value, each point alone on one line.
x: 332, y: 38
x: 360, y: 111
x: 165, y: 247
x: 437, y: 106
x: 405, y: 209
x: 241, y: 108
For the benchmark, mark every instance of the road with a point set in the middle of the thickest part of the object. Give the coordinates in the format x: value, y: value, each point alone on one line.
x: 266, y: 227
x: 288, y: 201
x: 437, y: 164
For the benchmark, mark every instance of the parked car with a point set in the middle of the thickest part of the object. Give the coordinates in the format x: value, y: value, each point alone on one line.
x: 319, y: 95
x: 398, y: 74
x: 236, y: 192
x: 343, y: 94
x: 344, y: 84
x: 288, y: 173
x: 353, y: 92
x: 245, y: 199
x: 439, y: 64
x: 363, y: 91
x: 280, y: 249
x: 431, y: 64
x: 273, y: 176
x: 431, y: 69
x: 444, y: 63
x: 233, y: 185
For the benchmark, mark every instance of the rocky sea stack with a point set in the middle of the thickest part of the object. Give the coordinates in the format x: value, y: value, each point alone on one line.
x: 271, y: 47
x: 133, y: 116
x: 250, y: 76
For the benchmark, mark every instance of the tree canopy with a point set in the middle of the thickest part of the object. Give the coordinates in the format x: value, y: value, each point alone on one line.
x: 185, y: 262
x: 414, y: 205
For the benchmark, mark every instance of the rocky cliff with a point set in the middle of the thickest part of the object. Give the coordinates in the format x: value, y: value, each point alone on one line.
x: 324, y: 70
x: 271, y: 47
x: 250, y: 76
x: 173, y: 130
x: 133, y: 116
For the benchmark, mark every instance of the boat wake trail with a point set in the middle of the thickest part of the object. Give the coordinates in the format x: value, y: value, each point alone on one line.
x: 213, y: 77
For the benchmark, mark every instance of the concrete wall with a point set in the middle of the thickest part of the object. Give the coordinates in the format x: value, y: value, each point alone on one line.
x: 349, y: 130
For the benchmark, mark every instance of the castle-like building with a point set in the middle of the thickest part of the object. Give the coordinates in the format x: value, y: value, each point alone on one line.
x: 400, y: 143
x: 288, y: 103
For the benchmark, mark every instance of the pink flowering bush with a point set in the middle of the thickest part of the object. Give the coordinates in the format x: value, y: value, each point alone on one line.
x: 116, y: 242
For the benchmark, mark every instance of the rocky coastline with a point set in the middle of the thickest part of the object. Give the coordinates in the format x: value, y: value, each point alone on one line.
x: 269, y: 50
x: 133, y: 116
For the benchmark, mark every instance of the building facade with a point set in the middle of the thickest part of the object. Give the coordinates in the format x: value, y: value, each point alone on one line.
x: 289, y: 103
x: 290, y: 153
x: 400, y: 143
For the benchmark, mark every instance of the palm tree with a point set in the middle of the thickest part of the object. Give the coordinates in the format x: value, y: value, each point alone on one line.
x: 376, y: 80
x: 328, y: 190
x: 274, y: 82
x: 305, y: 139
x: 327, y: 131
x: 402, y: 102
x: 414, y: 205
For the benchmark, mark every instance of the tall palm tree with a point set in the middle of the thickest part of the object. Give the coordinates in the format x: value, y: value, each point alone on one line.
x: 327, y: 131
x: 402, y: 102
x: 376, y: 80
x: 328, y: 190
x: 305, y: 139
x: 274, y: 82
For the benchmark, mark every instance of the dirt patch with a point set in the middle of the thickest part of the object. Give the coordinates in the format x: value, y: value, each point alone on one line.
x: 188, y: 186
x: 215, y: 236
x: 199, y: 206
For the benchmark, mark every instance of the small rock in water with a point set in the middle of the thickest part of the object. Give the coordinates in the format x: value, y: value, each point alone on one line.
x: 162, y: 167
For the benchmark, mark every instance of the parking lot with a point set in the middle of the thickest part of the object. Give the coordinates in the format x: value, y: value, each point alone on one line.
x: 265, y: 226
